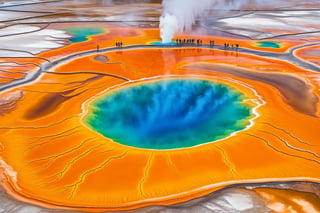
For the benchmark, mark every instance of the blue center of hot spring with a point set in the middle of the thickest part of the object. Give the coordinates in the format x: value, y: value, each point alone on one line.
x: 169, y: 114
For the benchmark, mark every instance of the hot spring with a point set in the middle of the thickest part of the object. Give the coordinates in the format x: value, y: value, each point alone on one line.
x: 169, y: 114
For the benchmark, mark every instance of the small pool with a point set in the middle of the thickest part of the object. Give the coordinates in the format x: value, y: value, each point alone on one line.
x: 160, y: 43
x: 169, y: 114
x: 268, y: 44
x: 81, y: 34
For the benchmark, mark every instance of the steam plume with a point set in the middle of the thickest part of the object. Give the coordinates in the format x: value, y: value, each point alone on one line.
x: 180, y: 15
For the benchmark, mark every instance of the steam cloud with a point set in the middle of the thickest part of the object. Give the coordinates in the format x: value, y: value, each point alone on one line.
x: 180, y: 15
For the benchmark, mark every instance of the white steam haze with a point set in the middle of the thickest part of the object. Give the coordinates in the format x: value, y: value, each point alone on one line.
x: 179, y: 15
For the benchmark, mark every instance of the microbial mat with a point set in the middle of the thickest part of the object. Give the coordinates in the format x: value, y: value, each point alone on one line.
x: 169, y: 114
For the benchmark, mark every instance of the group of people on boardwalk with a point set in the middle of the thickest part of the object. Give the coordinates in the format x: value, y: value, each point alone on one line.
x: 191, y: 41
x: 233, y: 46
x: 119, y: 44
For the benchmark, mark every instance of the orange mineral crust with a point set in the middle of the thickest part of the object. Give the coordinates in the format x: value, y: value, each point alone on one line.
x: 52, y: 158
x: 287, y: 200
x: 12, y: 69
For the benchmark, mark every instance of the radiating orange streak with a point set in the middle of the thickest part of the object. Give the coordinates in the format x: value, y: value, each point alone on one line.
x: 310, y: 54
x: 12, y: 75
x: 22, y: 60
x: 5, y: 80
x: 12, y: 69
x: 62, y: 163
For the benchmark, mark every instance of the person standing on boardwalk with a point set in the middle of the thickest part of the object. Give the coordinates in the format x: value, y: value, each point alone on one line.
x: 211, y: 43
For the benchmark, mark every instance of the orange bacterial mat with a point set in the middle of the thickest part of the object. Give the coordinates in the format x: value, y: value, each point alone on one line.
x: 49, y: 156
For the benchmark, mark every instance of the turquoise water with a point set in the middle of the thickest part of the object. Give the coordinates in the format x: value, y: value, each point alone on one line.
x: 269, y: 44
x: 169, y: 114
x: 160, y: 43
x: 81, y: 34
